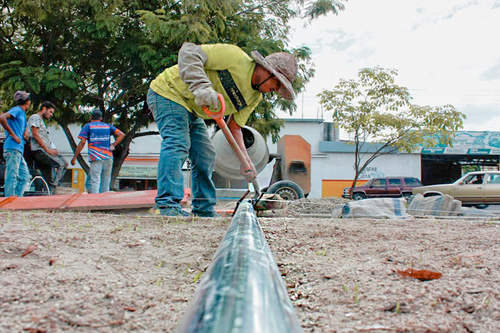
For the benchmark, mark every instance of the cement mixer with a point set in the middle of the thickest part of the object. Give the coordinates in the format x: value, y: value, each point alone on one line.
x: 291, y: 177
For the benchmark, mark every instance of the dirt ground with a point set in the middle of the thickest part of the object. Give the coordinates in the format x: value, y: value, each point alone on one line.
x: 98, y: 272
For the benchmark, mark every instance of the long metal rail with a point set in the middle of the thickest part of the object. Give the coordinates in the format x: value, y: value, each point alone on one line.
x: 242, y: 290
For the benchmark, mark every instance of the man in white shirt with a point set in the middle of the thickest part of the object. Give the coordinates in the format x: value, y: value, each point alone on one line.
x: 47, y: 157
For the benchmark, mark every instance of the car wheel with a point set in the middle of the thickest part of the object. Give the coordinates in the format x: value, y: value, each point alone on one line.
x: 286, y: 189
x: 359, y: 196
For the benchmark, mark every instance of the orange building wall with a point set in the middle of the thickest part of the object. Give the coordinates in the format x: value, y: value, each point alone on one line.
x: 334, y: 188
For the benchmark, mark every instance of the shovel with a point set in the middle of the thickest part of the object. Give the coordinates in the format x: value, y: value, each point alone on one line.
x: 218, y: 117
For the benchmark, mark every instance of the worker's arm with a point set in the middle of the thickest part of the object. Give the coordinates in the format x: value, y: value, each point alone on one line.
x: 3, y: 121
x: 119, y: 135
x: 78, y: 150
x: 191, y: 63
x: 36, y: 135
x: 238, y: 137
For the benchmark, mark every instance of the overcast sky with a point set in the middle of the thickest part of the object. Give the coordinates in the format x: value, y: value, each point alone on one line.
x: 445, y: 51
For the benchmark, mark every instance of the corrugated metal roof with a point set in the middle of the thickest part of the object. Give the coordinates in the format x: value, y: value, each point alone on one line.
x: 345, y: 147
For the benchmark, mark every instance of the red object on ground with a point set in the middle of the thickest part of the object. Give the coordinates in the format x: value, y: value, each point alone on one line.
x: 79, y: 201
x: 421, y: 274
x: 30, y: 249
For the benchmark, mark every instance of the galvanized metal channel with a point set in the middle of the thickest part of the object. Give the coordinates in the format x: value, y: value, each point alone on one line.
x: 242, y: 290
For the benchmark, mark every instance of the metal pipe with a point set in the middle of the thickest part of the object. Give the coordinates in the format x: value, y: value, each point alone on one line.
x: 242, y: 290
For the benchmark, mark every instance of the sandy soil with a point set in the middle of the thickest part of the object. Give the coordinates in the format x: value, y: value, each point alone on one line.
x: 96, y: 272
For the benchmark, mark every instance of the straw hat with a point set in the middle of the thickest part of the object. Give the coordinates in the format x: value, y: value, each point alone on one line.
x: 283, y: 66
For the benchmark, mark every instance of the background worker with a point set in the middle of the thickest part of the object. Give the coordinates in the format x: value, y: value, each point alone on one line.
x: 54, y: 165
x: 17, y: 175
x: 176, y: 98
x: 98, y: 134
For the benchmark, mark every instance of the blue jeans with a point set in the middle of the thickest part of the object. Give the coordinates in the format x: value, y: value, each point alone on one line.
x: 100, y: 175
x: 17, y: 175
x: 184, y: 135
x: 51, y: 163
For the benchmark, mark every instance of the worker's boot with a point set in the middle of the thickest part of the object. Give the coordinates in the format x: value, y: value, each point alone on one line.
x: 173, y: 211
x: 211, y: 213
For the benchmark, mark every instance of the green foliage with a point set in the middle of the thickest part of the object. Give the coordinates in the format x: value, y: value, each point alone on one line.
x: 252, y: 25
x: 83, y: 54
x: 375, y: 109
x: 470, y: 168
x: 322, y: 7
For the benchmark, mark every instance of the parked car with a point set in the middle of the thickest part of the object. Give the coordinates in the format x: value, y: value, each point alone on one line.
x: 384, y: 188
x: 475, y: 188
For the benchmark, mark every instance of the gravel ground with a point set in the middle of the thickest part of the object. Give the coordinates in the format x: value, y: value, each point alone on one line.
x: 96, y: 272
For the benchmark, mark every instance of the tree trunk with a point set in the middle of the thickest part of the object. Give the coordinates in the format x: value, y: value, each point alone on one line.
x: 73, y: 145
x: 122, y: 150
x: 353, y: 185
x: 120, y: 154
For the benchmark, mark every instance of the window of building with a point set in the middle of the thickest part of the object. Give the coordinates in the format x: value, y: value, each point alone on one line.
x: 137, y: 184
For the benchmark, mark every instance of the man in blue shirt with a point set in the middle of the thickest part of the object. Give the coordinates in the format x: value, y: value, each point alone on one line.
x: 98, y: 134
x: 17, y: 175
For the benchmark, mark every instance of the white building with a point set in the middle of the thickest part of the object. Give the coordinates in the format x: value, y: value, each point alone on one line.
x: 331, y: 160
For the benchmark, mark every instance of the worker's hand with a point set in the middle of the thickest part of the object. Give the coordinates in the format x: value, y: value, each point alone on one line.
x: 252, y: 167
x: 207, y: 97
x: 73, y: 160
x: 249, y: 174
x: 52, y: 152
x: 112, y: 147
x: 16, y: 138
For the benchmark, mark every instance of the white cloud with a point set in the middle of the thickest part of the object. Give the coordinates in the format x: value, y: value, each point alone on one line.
x: 445, y: 52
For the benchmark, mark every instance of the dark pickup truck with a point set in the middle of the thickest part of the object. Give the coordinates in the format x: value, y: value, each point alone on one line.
x: 384, y: 188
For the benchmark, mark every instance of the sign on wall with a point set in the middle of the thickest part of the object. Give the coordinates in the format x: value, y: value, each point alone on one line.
x: 371, y: 172
x: 138, y: 172
x: 470, y: 143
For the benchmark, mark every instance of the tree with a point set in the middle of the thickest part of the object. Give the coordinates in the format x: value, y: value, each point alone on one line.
x: 83, y: 54
x: 261, y: 25
x: 374, y: 110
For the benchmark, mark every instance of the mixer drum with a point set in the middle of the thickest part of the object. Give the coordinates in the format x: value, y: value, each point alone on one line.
x: 227, y: 164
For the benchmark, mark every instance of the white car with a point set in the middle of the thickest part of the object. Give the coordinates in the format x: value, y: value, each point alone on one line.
x: 475, y: 188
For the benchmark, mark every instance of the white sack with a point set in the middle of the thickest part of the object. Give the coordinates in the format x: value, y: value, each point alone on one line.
x: 439, y: 205
x: 378, y: 208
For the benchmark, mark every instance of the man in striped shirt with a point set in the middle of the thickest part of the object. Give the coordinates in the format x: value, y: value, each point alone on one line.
x: 98, y: 134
